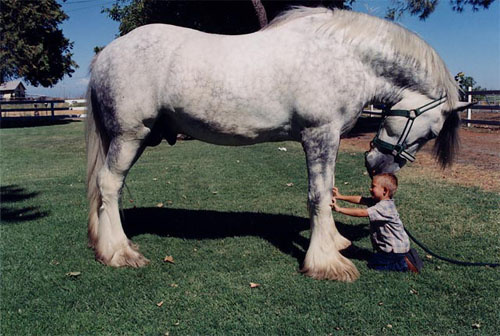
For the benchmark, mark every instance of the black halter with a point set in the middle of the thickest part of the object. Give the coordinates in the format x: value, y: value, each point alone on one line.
x: 399, y: 149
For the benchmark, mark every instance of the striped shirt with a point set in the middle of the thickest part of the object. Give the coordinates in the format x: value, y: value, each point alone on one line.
x: 386, y: 229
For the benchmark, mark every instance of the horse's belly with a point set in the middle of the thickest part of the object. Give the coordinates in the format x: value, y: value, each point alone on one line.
x: 231, y: 129
x: 239, y: 140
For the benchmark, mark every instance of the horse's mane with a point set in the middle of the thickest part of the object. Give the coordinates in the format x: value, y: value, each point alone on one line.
x: 411, y: 59
x: 403, y: 56
x: 447, y: 142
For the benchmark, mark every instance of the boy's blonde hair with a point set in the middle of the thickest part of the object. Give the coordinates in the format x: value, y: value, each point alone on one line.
x: 389, y: 181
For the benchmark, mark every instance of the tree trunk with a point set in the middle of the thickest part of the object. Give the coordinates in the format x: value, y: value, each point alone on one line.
x: 261, y: 12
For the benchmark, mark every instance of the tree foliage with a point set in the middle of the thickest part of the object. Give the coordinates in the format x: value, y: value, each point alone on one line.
x: 223, y: 17
x: 466, y: 82
x: 31, y: 45
x: 244, y: 16
x: 424, y: 8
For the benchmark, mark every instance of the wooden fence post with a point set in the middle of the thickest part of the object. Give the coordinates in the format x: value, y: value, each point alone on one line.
x: 469, y: 100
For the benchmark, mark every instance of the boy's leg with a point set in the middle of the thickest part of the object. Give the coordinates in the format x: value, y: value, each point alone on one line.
x: 413, y: 260
x: 382, y: 261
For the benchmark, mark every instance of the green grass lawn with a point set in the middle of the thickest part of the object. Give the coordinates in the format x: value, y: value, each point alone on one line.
x: 228, y: 219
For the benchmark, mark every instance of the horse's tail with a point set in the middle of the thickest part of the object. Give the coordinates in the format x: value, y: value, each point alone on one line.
x: 97, y: 147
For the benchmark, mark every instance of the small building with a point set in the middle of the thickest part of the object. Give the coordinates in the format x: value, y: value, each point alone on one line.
x: 12, y: 90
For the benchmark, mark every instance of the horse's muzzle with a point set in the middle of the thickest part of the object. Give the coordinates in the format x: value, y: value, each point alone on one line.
x: 377, y: 162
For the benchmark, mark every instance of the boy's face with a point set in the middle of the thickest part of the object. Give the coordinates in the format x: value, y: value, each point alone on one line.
x: 377, y: 191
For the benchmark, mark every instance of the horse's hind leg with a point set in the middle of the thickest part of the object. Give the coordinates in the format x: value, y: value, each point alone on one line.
x: 113, y: 247
x: 323, y: 260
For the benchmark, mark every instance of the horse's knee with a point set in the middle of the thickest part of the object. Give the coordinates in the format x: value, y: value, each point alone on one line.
x: 109, y: 184
x: 317, y: 203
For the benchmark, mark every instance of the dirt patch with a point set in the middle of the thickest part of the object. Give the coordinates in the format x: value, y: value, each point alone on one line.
x: 477, y: 163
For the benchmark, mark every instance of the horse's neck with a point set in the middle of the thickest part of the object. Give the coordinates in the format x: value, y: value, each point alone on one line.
x: 381, y: 81
x: 383, y: 91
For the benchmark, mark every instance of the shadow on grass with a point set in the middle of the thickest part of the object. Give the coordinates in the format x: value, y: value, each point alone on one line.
x: 17, y: 122
x: 9, y: 213
x: 283, y: 231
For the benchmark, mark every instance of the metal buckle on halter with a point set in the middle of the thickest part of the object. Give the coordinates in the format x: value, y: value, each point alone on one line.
x: 412, y: 114
x: 397, y: 149
x: 407, y: 156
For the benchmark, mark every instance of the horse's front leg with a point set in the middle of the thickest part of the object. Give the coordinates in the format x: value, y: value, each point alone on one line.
x: 323, y: 260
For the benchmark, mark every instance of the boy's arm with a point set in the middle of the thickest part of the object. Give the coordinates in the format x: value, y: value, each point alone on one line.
x: 351, y: 199
x: 355, y: 212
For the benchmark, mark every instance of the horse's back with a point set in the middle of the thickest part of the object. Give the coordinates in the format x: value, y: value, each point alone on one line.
x: 144, y: 49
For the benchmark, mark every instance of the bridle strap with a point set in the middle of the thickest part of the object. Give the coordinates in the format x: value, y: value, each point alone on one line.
x: 399, y: 149
x: 395, y: 150
x: 412, y: 114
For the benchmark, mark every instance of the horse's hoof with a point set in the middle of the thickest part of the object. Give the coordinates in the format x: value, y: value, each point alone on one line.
x: 345, y: 275
x: 344, y: 271
x: 127, y: 256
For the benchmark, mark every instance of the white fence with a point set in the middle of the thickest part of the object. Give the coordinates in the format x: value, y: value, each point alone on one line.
x: 492, y: 108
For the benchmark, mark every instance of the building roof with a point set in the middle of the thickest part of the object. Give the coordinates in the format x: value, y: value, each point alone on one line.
x: 11, y: 86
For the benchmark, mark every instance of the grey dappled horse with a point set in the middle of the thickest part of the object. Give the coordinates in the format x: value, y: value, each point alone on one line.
x: 305, y: 77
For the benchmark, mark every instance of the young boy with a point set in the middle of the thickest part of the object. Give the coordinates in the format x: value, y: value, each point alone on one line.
x: 388, y: 236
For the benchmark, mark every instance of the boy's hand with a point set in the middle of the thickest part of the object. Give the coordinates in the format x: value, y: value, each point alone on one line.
x: 334, y: 205
x: 335, y: 191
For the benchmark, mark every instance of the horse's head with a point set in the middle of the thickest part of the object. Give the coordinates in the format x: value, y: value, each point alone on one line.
x: 407, y: 126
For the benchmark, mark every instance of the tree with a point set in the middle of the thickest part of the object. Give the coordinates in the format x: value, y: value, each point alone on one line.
x: 424, y: 8
x: 31, y: 45
x: 223, y: 17
x: 245, y: 16
x: 466, y: 82
x: 260, y: 10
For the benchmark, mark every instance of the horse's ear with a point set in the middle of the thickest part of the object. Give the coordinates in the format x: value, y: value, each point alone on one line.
x: 460, y: 106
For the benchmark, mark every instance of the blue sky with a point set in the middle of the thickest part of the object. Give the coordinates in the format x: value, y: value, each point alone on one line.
x: 468, y: 41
